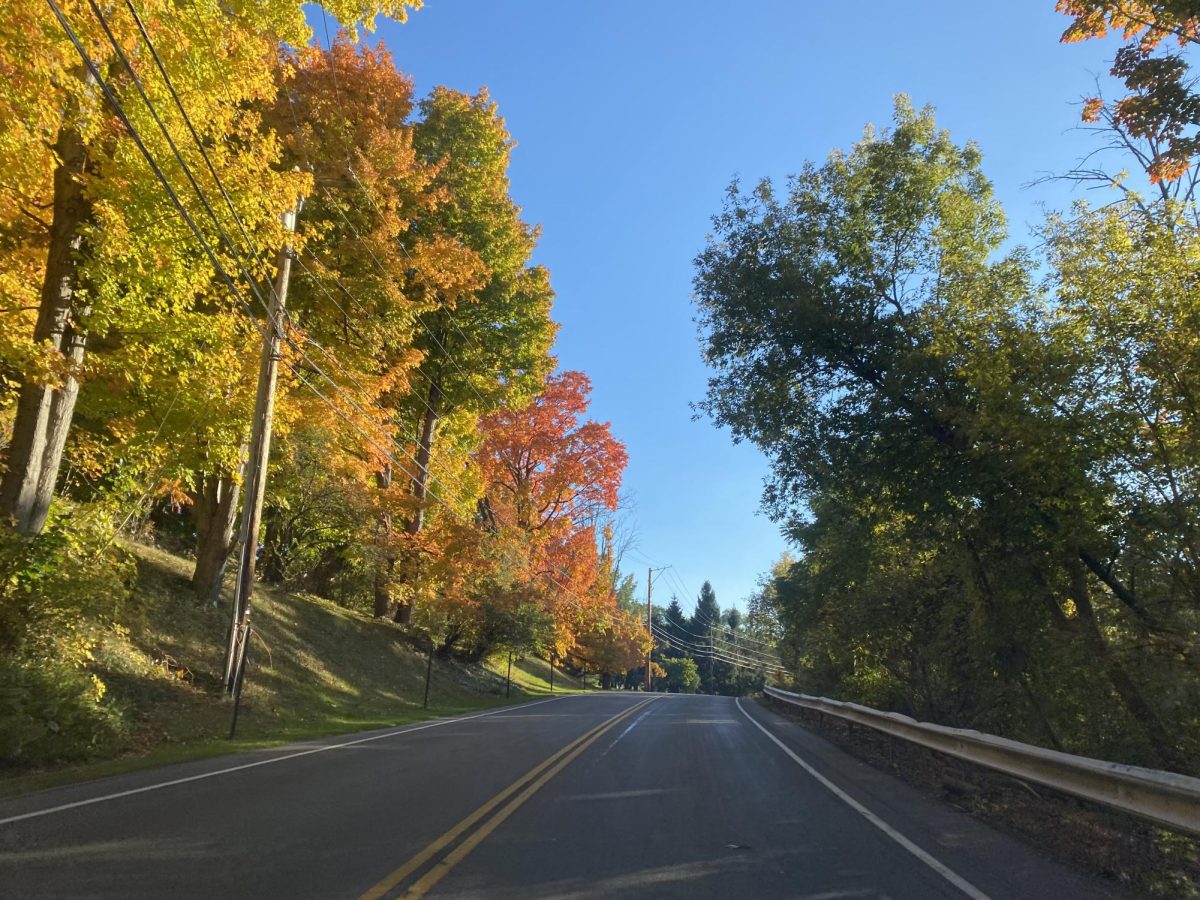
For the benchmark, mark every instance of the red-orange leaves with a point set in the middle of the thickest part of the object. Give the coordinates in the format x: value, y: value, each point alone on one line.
x: 1161, y: 105
x: 544, y: 468
x: 548, y: 476
x: 1153, y: 21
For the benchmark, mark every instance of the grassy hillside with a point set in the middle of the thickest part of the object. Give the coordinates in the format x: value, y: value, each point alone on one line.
x: 315, y: 669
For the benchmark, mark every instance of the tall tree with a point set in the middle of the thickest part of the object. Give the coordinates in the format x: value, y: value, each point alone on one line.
x: 485, y: 348
x: 762, y: 623
x: 676, y: 625
x: 703, y: 621
x: 79, y: 171
x: 868, y: 336
x: 549, y: 475
x: 362, y: 285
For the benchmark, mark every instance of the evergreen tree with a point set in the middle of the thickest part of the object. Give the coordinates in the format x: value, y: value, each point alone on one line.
x: 706, y: 617
x: 675, y: 624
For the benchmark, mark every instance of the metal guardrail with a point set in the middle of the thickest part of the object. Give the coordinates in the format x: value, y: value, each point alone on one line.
x: 1164, y: 797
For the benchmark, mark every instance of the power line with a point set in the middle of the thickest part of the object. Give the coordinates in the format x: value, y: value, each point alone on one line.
x: 725, y: 648
x: 726, y: 635
x: 231, y: 286
x: 722, y: 635
x: 720, y: 625
x: 743, y: 662
x: 187, y: 120
x: 716, y: 657
x: 93, y: 70
x: 253, y: 249
x: 187, y: 171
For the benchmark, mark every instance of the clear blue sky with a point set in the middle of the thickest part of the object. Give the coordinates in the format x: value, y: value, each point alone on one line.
x: 631, y: 118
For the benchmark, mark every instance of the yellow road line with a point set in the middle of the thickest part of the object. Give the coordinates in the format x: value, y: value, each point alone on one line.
x: 442, y: 869
x: 562, y: 757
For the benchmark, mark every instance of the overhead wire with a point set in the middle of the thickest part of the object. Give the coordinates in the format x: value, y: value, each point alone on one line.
x: 727, y: 648
x: 219, y: 268
x: 187, y: 171
x: 721, y: 629
x: 701, y: 651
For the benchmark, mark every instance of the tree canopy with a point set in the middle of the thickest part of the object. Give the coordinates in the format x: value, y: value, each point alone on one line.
x: 973, y: 458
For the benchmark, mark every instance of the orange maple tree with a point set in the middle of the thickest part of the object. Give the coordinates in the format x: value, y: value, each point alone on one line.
x: 545, y: 469
x: 550, y: 475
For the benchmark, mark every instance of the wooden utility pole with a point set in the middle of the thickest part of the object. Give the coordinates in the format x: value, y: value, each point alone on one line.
x: 256, y: 465
x: 649, y: 624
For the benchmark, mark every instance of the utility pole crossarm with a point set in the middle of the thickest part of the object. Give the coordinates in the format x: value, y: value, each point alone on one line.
x: 650, y: 623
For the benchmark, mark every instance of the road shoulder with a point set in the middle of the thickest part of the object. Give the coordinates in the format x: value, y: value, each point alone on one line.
x: 995, y: 863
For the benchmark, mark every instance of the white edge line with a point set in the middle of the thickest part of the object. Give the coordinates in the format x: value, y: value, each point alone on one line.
x: 407, y: 729
x: 945, y: 871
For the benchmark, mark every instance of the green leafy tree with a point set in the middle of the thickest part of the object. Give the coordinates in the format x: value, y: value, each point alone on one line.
x: 934, y: 452
x: 682, y: 675
x: 486, y: 345
x: 762, y: 606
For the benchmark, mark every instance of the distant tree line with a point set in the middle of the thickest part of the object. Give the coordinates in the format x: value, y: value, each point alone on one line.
x: 713, y: 651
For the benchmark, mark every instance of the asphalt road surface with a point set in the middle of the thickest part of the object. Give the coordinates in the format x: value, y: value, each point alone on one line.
x: 596, y: 795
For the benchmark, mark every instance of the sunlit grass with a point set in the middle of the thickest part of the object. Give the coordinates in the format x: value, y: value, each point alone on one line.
x: 316, y: 669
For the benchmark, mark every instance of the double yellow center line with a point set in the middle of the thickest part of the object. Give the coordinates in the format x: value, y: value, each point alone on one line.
x: 497, y: 809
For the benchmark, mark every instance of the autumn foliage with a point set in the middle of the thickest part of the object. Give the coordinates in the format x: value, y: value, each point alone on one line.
x: 551, y: 477
x: 1161, y: 107
x: 427, y: 465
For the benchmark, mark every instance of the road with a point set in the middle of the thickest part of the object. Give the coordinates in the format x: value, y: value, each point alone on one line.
x: 594, y: 795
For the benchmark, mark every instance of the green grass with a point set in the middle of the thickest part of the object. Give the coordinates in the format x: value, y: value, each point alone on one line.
x: 532, y: 675
x: 315, y: 669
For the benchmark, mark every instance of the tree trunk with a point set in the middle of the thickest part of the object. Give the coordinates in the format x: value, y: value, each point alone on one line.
x: 322, y: 580
x: 420, y: 483
x: 214, y: 508
x: 43, y: 415
x: 420, y: 488
x: 385, y: 562
x: 1041, y: 720
x: 1136, y: 705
